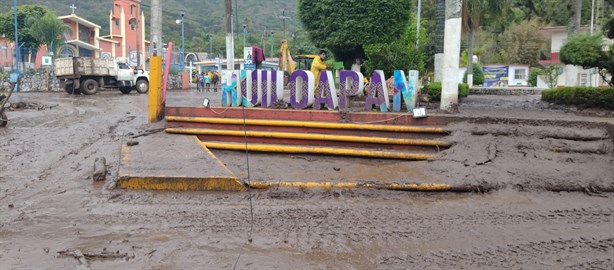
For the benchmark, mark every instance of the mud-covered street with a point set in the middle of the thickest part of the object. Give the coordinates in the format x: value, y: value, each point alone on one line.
x: 53, y: 216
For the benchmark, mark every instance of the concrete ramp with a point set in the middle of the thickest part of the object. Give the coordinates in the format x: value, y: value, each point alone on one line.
x: 163, y: 162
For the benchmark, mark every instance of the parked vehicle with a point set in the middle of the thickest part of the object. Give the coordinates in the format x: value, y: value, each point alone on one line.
x: 86, y: 75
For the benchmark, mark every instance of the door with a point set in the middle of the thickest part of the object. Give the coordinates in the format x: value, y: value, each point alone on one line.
x: 124, y: 72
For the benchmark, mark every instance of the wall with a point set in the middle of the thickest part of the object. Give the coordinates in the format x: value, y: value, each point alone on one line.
x: 39, y: 82
x: 518, y: 82
x: 558, y: 40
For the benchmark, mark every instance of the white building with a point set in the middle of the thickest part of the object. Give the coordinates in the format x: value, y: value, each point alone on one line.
x: 570, y: 75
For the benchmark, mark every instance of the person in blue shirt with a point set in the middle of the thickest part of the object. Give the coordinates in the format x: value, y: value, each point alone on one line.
x: 208, y: 83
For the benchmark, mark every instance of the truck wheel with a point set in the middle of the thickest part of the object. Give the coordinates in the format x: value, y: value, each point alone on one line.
x: 89, y: 87
x: 70, y: 89
x: 3, y: 119
x: 125, y: 90
x: 142, y: 86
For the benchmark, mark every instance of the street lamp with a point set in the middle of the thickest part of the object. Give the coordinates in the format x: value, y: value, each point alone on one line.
x: 210, y: 45
x: 244, y: 34
x: 182, y: 39
x: 17, y: 47
x: 272, y: 38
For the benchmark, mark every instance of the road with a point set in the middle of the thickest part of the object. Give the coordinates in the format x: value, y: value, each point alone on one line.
x: 50, y: 205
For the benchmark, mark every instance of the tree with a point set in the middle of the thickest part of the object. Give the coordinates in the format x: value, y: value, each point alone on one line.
x: 401, y: 54
x: 587, y: 51
x: 440, y: 21
x: 521, y: 44
x: 7, y: 27
x: 551, y: 75
x: 345, y: 27
x: 7, y: 24
x: 473, y: 13
x: 48, y: 29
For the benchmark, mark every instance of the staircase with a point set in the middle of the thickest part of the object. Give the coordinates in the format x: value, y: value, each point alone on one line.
x: 370, y: 135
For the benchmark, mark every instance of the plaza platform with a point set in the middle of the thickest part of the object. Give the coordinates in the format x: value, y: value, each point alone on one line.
x: 163, y: 162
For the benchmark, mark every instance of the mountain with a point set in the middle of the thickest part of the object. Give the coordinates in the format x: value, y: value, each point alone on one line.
x: 200, y: 15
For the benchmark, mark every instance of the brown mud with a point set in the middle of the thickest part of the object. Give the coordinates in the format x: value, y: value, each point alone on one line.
x: 50, y: 207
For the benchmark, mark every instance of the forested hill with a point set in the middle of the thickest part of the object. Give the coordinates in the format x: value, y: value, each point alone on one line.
x: 201, y: 15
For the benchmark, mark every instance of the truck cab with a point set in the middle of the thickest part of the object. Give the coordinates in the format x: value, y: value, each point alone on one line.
x: 129, y: 79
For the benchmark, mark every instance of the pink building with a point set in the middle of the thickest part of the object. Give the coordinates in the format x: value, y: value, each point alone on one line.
x: 127, y: 33
x: 127, y: 28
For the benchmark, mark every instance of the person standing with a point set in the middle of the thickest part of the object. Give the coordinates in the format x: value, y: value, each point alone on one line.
x: 208, y: 83
x: 216, y: 79
x: 317, y: 66
x: 200, y: 86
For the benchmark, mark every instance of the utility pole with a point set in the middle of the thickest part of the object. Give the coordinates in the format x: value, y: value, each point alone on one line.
x: 283, y: 17
x: 418, y: 24
x: 230, y: 48
x: 156, y: 28
x: 451, y: 55
x: 17, y: 47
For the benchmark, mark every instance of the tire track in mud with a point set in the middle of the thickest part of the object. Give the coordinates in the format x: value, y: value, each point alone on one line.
x: 307, y: 225
x: 527, y: 253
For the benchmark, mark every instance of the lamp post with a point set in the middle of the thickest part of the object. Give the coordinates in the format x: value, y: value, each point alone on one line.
x: 210, y: 45
x: 272, y: 38
x: 182, y: 22
x: 244, y: 35
x: 17, y: 47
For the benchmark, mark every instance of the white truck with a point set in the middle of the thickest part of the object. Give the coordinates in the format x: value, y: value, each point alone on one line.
x: 87, y: 75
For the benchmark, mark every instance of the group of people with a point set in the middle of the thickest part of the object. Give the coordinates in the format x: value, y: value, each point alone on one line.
x: 205, y: 79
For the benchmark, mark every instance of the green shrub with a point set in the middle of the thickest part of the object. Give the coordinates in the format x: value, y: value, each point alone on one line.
x: 533, y: 74
x: 585, y: 97
x: 434, y: 90
x: 463, y: 90
x: 478, y: 75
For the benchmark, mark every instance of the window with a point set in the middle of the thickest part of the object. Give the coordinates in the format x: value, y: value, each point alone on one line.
x: 116, y: 23
x: 520, y: 74
x: 123, y: 66
x: 132, y: 23
x: 583, y: 79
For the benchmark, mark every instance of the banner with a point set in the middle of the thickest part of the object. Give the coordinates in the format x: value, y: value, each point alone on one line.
x: 248, y: 59
x: 496, y: 76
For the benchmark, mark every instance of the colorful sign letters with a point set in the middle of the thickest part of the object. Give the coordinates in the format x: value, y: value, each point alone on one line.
x: 264, y: 88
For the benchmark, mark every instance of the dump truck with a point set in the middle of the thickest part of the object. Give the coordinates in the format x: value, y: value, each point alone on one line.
x: 86, y: 75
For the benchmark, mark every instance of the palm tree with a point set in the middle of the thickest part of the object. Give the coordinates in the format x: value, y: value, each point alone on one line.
x: 473, y: 15
x: 47, y: 30
x: 440, y: 23
x: 577, y: 16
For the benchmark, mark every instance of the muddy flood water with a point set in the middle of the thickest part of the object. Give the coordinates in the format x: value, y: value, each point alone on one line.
x: 550, y: 204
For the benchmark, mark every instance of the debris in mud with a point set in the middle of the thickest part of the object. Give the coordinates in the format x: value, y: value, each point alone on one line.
x: 132, y: 143
x: 336, y: 169
x: 100, y: 169
x: 147, y: 132
x: 11, y: 205
x: 31, y: 106
x: 82, y: 257
x: 280, y: 104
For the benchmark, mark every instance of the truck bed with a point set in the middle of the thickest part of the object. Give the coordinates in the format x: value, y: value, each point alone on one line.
x: 84, y: 66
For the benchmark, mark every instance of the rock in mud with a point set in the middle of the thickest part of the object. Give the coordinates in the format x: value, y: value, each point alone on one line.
x: 100, y: 169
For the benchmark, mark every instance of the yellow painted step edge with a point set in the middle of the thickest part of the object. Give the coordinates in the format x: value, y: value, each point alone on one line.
x: 305, y: 124
x: 391, y: 186
x: 308, y: 136
x: 274, y: 148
